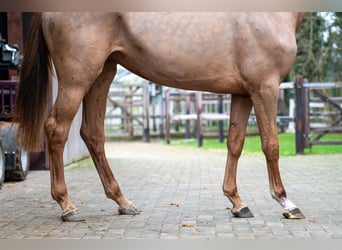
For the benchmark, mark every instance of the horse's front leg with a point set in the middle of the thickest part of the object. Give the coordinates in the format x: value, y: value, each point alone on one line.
x: 265, y: 105
x: 92, y: 132
x: 239, y: 113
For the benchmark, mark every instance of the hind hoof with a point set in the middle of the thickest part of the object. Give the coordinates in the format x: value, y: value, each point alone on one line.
x: 243, y: 213
x: 72, y: 216
x: 129, y: 210
x: 293, y: 214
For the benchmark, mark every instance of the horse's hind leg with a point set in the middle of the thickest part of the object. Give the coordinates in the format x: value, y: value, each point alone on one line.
x: 92, y: 132
x: 240, y: 110
x: 265, y: 105
x: 57, y: 128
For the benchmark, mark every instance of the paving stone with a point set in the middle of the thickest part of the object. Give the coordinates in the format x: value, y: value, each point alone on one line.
x: 179, y: 191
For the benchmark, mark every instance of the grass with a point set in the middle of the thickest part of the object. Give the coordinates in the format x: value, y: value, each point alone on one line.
x: 252, y: 144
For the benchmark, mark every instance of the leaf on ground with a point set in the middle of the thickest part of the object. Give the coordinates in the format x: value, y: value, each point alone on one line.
x: 12, y: 184
x: 174, y: 204
x: 188, y: 225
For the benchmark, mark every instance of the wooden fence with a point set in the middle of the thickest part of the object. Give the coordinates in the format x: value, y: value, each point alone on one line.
x: 127, y: 105
x: 315, y: 112
x: 318, y: 113
x: 209, y: 108
x: 199, y: 107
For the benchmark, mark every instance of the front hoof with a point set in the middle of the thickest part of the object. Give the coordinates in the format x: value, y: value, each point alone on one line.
x: 242, y: 213
x: 293, y: 214
x: 129, y: 210
x: 72, y: 216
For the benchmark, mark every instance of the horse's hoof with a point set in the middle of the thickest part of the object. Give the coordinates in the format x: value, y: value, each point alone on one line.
x: 293, y: 214
x: 129, y: 210
x: 72, y: 216
x: 243, y: 213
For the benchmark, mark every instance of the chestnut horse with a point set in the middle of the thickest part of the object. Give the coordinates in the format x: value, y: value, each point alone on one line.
x: 244, y: 54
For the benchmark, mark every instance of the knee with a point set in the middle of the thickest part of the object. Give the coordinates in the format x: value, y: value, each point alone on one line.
x: 234, y: 147
x: 271, y: 149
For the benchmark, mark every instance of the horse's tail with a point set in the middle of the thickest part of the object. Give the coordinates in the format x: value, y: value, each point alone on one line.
x: 33, y: 92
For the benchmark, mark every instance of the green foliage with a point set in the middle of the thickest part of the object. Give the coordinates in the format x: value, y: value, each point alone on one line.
x: 252, y: 145
x: 334, y: 59
x: 319, y: 43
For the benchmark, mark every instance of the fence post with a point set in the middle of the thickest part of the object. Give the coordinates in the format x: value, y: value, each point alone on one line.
x: 146, y: 129
x: 187, y: 111
x: 167, y: 116
x: 301, y: 114
x: 306, y: 106
x: 199, y: 118
x: 221, y: 122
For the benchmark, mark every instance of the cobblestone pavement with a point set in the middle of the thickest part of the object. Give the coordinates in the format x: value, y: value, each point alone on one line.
x: 179, y: 192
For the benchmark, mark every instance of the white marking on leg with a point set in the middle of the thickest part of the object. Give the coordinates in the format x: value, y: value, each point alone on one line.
x: 286, y: 204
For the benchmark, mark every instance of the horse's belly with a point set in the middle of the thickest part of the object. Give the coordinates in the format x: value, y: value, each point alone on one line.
x: 181, y: 50
x: 220, y: 52
x: 186, y: 74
